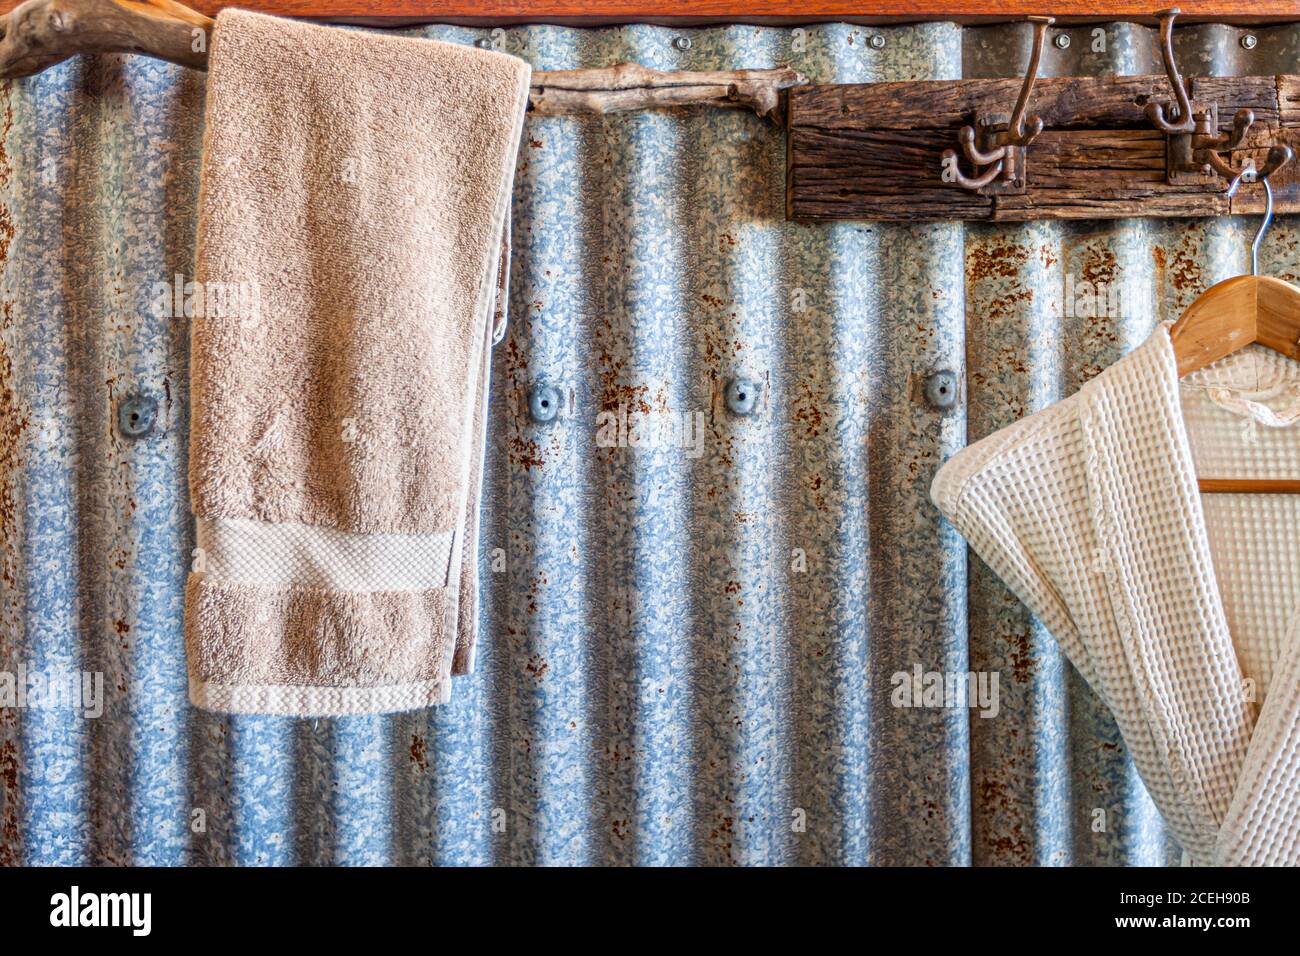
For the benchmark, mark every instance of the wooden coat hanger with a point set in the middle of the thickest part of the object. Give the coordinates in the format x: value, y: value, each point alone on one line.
x: 1238, y: 312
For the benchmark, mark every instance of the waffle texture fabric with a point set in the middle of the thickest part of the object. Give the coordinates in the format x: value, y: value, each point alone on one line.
x: 1089, y: 511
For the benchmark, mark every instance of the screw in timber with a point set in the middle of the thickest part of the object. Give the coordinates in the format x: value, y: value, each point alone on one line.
x: 682, y: 43
x: 1249, y: 41
x: 876, y: 41
x: 1062, y: 41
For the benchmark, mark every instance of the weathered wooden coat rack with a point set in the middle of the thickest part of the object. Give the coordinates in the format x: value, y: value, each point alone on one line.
x: 1102, y: 147
x: 1093, y: 148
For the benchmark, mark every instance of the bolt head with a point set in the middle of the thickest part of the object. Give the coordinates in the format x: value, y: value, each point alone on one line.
x: 742, y: 396
x: 1062, y: 41
x: 136, y: 415
x: 1249, y: 41
x: 544, y: 403
x: 682, y: 43
x: 876, y: 41
x: 941, y: 389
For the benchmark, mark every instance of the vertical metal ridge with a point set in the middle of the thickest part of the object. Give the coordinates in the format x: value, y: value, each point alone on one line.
x: 735, y: 184
x: 15, y: 414
x: 645, y: 369
x: 827, y: 818
x: 919, y: 756
x: 56, y: 821
x: 1014, y: 355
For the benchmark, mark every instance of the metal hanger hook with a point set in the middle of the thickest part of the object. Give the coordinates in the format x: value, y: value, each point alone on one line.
x: 1263, y: 228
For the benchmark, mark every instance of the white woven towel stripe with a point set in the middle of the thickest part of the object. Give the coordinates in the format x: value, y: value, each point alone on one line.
x: 243, y: 551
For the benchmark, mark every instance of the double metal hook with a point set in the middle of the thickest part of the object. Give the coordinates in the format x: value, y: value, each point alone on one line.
x: 997, y: 147
x: 1194, y: 141
x: 1277, y: 156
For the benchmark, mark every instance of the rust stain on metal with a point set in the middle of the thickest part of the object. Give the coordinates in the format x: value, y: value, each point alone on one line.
x: 1012, y: 847
x: 537, y: 666
x: 6, y: 171
x: 1100, y: 273
x: 516, y: 359
x: 1100, y: 266
x: 815, y: 482
x: 920, y: 463
x: 633, y: 398
x: 1006, y: 306
x: 807, y: 408
x: 999, y: 258
x: 419, y: 752
x: 1184, y: 271
x: 525, y: 453
x: 1286, y: 241
x: 1022, y: 657
x: 723, y: 833
x: 533, y: 589
x: 10, y: 837
x: 14, y: 420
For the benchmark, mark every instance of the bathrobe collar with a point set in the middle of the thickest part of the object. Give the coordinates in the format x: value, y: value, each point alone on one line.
x: 1177, y: 652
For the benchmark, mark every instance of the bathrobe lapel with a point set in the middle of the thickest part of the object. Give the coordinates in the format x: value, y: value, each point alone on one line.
x: 1263, y: 822
x: 1176, y: 652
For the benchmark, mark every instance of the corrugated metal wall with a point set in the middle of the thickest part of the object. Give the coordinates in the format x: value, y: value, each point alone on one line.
x: 687, y: 658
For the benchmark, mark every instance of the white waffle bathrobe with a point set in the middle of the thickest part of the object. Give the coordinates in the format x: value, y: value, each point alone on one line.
x: 1089, y: 511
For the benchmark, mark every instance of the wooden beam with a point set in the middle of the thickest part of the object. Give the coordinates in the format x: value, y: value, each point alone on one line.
x: 872, y: 151
x: 755, y: 11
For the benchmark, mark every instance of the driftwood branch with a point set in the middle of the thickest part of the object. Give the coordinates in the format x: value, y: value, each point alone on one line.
x: 40, y: 33
x: 630, y: 86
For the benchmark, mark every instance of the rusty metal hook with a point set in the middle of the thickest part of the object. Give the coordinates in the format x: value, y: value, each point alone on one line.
x: 1182, y: 108
x: 996, y: 145
x: 1194, y: 141
x: 1206, y: 143
x: 1278, y: 156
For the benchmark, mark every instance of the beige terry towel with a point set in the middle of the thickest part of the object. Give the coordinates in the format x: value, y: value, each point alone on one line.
x: 351, y: 260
